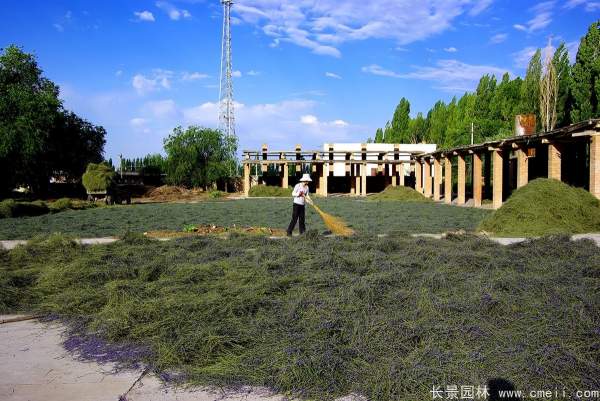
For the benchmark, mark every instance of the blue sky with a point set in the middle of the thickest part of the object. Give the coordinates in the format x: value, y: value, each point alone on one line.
x: 307, y: 71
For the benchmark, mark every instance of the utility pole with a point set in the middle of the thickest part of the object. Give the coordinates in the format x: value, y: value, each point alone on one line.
x: 472, y: 136
x: 226, y: 105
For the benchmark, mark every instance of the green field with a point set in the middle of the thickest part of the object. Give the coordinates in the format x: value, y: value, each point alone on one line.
x: 322, y: 317
x: 363, y: 216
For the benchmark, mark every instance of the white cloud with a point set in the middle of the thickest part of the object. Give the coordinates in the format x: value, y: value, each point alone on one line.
x: 118, y: 73
x: 574, y: 3
x: 340, y: 123
x: 59, y: 27
x: 139, y: 124
x: 499, y: 38
x: 453, y: 75
x: 236, y: 74
x: 144, y: 16
x: 173, y: 12
x: 523, y: 56
x: 480, y: 6
x: 193, y: 76
x: 309, y: 119
x: 160, y: 79
x: 378, y: 70
x: 590, y: 6
x: 280, y: 125
x: 322, y: 25
x: 161, y: 109
x: 450, y: 49
x: 542, y: 17
x: 332, y: 75
x: 253, y: 73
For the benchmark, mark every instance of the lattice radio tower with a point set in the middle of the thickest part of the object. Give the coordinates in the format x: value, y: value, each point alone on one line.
x: 226, y: 112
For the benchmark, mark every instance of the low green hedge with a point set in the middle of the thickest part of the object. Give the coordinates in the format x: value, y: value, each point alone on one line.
x: 269, y: 191
x: 12, y: 208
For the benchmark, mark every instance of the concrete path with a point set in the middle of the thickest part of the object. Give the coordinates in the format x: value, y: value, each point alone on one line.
x: 35, y: 367
x: 11, y: 244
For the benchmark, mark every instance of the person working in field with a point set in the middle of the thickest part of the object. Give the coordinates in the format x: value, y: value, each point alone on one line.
x: 300, y: 194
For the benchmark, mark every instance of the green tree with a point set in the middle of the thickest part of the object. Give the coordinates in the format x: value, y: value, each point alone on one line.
x: 564, y: 102
x: 38, y: 138
x: 530, y: 89
x: 196, y: 157
x: 400, y: 122
x: 487, y: 119
x: 388, y: 136
x: 505, y: 105
x: 73, y: 143
x: 29, y: 106
x: 379, y: 136
x: 586, y: 76
x: 437, y: 119
x: 417, y: 128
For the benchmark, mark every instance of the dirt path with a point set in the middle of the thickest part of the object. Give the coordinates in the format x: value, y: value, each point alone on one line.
x: 11, y: 244
x: 35, y: 367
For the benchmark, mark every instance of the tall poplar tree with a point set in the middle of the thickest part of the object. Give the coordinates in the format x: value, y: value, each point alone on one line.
x: 586, y: 76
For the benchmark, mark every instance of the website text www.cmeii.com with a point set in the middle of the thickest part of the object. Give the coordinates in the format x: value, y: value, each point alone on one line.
x: 455, y: 392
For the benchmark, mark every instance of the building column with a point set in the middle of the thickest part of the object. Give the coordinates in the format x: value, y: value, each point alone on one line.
x: 284, y: 180
x: 363, y: 176
x: 522, y: 167
x: 401, y: 173
x: 437, y: 178
x: 476, y: 179
x: 498, y: 179
x: 448, y: 180
x: 418, y: 176
x: 487, y: 175
x: 554, y: 161
x: 462, y: 180
x: 357, y: 179
x: 246, y: 179
x: 427, y: 174
x: 595, y: 166
x: 324, y: 179
x: 264, y: 167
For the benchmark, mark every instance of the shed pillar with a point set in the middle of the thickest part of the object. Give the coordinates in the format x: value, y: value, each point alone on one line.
x: 401, y: 173
x: 554, y: 157
x: 437, y: 178
x: 285, y: 178
x: 418, y: 176
x: 264, y: 166
x: 462, y: 178
x: 427, y: 174
x: 246, y: 179
x: 448, y: 180
x: 522, y: 167
x: 497, y: 179
x: 595, y: 166
x: 477, y: 179
x: 363, y: 176
x: 324, y: 179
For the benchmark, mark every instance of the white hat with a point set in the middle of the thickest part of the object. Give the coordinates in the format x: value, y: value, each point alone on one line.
x: 305, y: 178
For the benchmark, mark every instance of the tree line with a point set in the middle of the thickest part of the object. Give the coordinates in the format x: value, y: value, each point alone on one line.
x: 39, y: 138
x: 491, y: 109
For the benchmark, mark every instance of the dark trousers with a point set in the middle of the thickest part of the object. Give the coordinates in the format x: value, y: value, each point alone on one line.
x: 297, y: 214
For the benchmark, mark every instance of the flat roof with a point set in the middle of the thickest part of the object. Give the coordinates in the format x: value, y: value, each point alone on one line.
x: 582, y: 129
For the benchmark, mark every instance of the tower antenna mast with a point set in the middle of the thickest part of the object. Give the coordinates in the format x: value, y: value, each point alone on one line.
x: 226, y: 106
